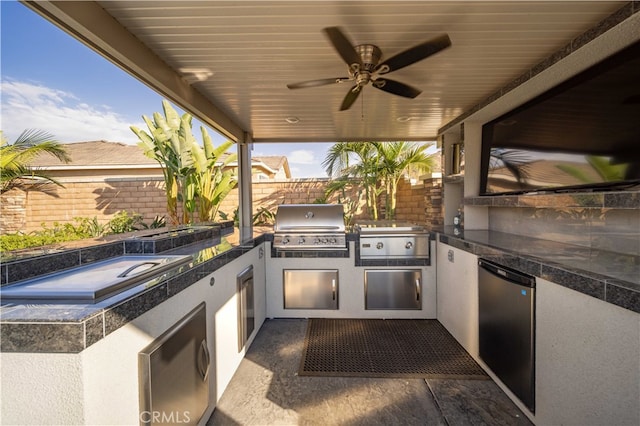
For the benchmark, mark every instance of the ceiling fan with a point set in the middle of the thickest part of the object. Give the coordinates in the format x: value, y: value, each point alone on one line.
x: 364, y: 66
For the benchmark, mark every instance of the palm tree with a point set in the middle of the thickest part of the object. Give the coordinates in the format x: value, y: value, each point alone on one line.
x: 358, y: 161
x: 396, y: 158
x: 379, y: 166
x: 15, y: 171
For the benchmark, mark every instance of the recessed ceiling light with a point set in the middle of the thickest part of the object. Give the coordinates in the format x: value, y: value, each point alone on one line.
x: 403, y: 119
x: 292, y: 120
x: 194, y: 75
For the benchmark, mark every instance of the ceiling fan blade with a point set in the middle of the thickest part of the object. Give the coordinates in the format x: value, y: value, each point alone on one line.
x: 351, y: 97
x: 316, y: 83
x: 414, y: 54
x: 396, y: 88
x: 343, y: 46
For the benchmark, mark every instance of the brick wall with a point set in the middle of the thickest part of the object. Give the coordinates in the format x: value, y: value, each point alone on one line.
x: 146, y: 196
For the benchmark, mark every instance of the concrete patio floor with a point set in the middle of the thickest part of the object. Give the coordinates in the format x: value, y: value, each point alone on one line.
x: 266, y: 390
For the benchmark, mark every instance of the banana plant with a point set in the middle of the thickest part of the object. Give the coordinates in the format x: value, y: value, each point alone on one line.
x: 170, y: 143
x: 214, y: 179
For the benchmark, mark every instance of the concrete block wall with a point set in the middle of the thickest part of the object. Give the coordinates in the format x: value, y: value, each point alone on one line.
x: 103, y: 198
x: 99, y: 198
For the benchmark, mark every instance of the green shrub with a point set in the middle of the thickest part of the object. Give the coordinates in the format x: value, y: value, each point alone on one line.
x: 81, y: 228
x: 157, y: 222
x: 91, y: 227
x: 122, y: 222
x: 264, y: 217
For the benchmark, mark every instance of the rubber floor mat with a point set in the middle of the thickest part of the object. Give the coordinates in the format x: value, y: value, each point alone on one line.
x: 385, y: 348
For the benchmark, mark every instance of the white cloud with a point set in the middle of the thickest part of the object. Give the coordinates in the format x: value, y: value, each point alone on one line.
x: 27, y: 105
x: 302, y: 156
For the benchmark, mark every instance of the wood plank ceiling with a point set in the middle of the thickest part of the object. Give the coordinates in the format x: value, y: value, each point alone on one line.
x: 240, y: 56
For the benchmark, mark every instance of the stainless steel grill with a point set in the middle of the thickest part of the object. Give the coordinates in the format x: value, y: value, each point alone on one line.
x: 392, y: 240
x: 310, y: 227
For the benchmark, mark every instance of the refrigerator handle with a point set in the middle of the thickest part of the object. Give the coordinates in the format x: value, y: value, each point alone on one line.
x: 418, y: 290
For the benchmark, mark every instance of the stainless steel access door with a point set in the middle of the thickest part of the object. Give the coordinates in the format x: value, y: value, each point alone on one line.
x: 174, y: 373
x: 393, y: 289
x: 246, y: 309
x: 310, y: 288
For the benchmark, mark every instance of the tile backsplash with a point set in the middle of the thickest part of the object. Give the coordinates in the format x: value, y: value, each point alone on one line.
x: 611, y: 229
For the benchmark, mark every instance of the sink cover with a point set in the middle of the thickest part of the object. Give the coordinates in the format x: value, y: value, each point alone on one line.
x: 93, y: 282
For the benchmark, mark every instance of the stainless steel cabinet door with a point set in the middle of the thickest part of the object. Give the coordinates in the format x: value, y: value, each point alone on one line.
x: 393, y: 289
x: 246, y: 308
x: 310, y: 289
x: 174, y: 373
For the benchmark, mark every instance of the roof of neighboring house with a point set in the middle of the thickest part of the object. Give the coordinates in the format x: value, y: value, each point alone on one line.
x: 274, y: 162
x: 105, y: 154
x: 97, y: 153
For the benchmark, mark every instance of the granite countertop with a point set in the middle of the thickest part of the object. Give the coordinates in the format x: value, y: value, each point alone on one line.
x: 609, y: 276
x: 71, y: 328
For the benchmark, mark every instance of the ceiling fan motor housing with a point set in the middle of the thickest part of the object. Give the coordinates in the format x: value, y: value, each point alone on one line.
x: 370, y: 55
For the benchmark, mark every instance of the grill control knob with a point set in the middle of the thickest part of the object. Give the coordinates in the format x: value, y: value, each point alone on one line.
x: 285, y: 240
x: 379, y: 246
x: 301, y: 241
x: 408, y: 245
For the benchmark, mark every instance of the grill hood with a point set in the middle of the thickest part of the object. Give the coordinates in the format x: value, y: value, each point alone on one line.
x: 310, y: 218
x: 310, y: 227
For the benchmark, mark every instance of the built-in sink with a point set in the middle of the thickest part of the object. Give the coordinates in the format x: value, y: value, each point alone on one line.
x: 93, y: 282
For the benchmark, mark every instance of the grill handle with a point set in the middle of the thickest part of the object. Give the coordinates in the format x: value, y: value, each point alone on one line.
x: 308, y: 228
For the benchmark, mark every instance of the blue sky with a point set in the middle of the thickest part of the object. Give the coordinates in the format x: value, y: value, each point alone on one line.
x: 52, y: 82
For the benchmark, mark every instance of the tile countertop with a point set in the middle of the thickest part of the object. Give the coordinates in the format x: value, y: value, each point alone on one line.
x: 609, y: 276
x: 71, y: 328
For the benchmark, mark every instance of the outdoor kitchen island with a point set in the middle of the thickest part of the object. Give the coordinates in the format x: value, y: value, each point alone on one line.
x: 49, y: 379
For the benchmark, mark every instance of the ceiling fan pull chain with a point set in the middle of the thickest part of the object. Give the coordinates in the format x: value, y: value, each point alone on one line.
x: 362, y: 107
